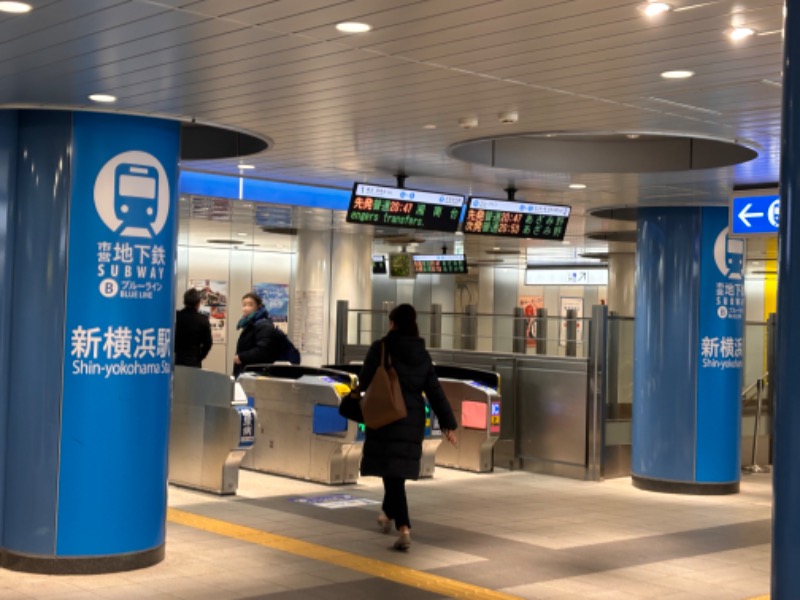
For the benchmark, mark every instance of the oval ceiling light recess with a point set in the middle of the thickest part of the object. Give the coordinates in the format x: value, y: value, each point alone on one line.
x: 103, y: 98
x: 353, y: 27
x: 577, y: 186
x: 654, y: 9
x: 678, y: 74
x: 740, y: 33
x: 15, y: 8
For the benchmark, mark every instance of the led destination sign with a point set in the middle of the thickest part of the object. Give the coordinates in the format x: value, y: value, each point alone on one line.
x: 440, y: 264
x: 516, y: 219
x: 400, y: 207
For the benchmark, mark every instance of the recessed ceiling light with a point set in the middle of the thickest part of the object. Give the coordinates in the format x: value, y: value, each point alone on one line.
x: 245, y: 167
x: 577, y: 186
x: 496, y: 248
x: 429, y: 126
x: 240, y: 234
x: 353, y: 27
x: 632, y: 136
x: 739, y: 33
x: 103, y: 98
x: 16, y: 8
x: 653, y: 9
x: 677, y: 74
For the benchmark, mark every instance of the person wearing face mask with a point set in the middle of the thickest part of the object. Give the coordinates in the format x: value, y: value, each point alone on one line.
x: 258, y: 343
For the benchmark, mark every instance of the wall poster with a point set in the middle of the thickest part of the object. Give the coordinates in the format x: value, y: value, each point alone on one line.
x: 566, y: 303
x: 529, y: 305
x: 308, y: 321
x: 214, y: 304
x: 276, y: 299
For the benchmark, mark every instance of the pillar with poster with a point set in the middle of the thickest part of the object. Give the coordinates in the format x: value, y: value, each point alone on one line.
x: 529, y: 305
x: 567, y: 303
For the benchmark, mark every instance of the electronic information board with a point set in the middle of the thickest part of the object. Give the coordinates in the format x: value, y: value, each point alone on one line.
x: 400, y: 207
x: 516, y: 219
x: 444, y: 264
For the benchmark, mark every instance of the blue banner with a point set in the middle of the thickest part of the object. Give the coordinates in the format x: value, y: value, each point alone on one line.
x: 752, y: 215
x: 118, y: 342
x: 720, y: 350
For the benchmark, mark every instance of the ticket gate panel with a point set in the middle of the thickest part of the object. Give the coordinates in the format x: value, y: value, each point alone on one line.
x: 207, y: 441
x: 476, y: 408
x: 301, y: 434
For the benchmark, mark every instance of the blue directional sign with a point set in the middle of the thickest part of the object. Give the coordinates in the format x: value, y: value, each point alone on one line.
x: 755, y: 215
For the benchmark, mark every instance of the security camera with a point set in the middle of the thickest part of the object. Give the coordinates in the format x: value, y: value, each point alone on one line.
x: 508, y: 117
x: 468, y: 122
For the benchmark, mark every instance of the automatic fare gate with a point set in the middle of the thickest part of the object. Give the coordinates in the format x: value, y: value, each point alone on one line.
x: 474, y: 396
x: 211, y: 428
x: 433, y: 434
x: 300, y: 432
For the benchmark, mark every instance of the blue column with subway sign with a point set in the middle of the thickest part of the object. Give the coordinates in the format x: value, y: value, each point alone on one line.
x: 87, y: 491
x: 689, y: 341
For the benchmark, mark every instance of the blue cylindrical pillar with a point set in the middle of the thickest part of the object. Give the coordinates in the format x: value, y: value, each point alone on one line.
x: 688, y: 342
x: 90, y: 287
x: 786, y: 449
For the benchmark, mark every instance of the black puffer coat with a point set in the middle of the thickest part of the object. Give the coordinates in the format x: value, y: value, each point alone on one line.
x: 395, y: 450
x: 258, y: 343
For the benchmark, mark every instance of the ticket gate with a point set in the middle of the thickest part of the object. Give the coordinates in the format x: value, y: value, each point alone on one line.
x: 433, y: 435
x: 211, y: 428
x: 300, y: 432
x: 475, y: 399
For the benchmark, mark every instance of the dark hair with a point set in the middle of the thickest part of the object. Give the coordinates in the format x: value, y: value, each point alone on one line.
x: 254, y: 297
x: 192, y: 297
x: 404, y: 318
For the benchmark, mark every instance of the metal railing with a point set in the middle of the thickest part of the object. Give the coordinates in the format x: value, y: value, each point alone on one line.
x: 490, y: 332
x: 759, y: 386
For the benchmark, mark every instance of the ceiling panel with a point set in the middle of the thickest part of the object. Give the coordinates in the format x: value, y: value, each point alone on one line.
x: 341, y: 107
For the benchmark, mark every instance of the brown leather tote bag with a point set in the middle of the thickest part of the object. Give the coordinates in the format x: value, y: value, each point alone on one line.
x: 383, y: 402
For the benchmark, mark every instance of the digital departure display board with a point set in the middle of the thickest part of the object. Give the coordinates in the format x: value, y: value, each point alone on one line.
x: 378, y: 264
x: 444, y: 264
x: 516, y: 219
x: 400, y: 207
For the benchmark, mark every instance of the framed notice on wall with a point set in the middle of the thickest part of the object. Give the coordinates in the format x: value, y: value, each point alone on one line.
x: 529, y: 304
x: 570, y: 303
x: 214, y: 304
x: 275, y: 297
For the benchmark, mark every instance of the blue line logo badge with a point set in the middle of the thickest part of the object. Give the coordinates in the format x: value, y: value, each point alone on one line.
x: 131, y: 195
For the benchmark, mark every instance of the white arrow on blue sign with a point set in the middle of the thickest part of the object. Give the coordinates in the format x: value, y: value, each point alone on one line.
x: 755, y: 215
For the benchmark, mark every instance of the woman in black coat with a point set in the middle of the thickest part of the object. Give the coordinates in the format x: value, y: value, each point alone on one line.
x: 393, y: 452
x: 257, y: 343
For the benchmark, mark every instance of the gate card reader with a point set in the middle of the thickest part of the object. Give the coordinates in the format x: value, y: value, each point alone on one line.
x: 301, y: 433
x: 211, y: 428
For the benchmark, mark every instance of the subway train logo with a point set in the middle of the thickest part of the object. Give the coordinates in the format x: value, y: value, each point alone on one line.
x: 131, y: 195
x: 729, y: 255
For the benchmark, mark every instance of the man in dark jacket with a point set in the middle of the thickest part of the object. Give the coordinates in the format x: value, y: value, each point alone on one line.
x: 394, y: 451
x: 258, y: 342
x: 192, y: 332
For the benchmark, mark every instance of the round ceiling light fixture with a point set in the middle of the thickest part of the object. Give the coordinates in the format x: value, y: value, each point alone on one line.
x: 16, y: 8
x: 678, y: 74
x: 103, y: 98
x: 429, y: 126
x: 246, y: 167
x: 740, y: 33
x: 577, y: 186
x: 653, y: 9
x: 353, y: 27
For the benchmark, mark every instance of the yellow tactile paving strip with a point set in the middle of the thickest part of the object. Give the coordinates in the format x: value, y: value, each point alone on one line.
x: 354, y: 562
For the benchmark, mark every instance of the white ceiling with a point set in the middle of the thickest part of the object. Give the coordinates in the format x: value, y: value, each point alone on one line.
x: 342, y: 107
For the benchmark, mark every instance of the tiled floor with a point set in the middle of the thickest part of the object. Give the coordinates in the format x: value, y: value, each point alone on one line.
x: 527, y: 535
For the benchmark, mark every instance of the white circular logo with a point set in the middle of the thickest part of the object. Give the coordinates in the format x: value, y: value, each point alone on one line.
x: 109, y: 288
x: 774, y: 213
x: 131, y: 194
x: 722, y: 312
x: 729, y: 255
